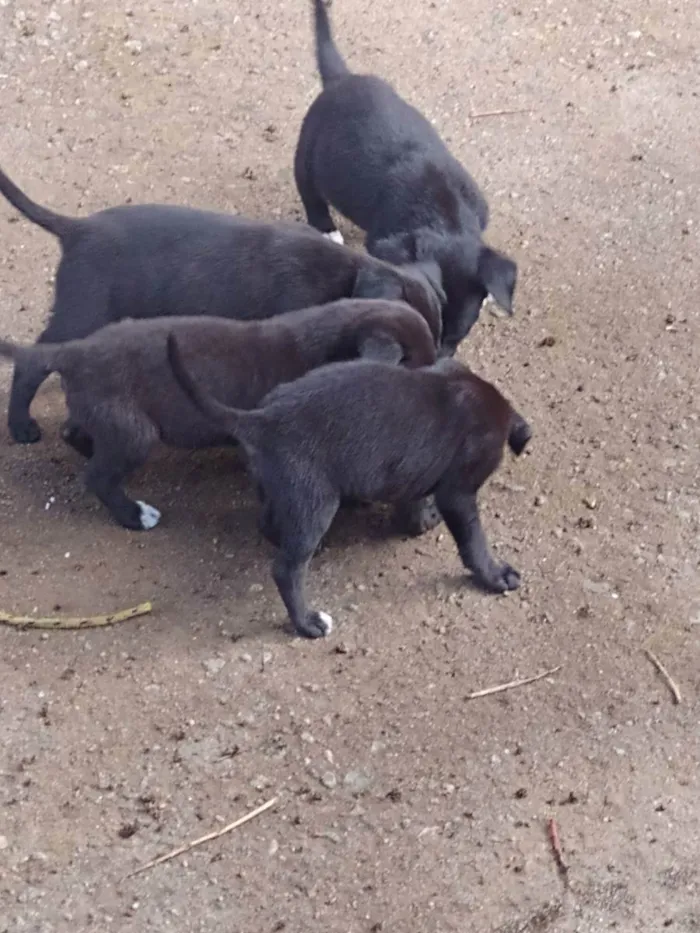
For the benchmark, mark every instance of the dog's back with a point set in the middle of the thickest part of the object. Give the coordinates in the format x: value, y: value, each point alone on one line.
x: 388, y: 433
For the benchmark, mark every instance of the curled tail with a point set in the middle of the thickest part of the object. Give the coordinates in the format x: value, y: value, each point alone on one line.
x: 42, y: 216
x: 232, y: 421
x: 43, y: 355
x: 330, y: 62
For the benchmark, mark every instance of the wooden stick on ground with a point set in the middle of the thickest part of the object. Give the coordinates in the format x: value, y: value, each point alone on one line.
x: 497, y: 113
x: 501, y: 688
x: 202, y: 839
x: 553, y: 833
x: 56, y: 622
x: 661, y: 668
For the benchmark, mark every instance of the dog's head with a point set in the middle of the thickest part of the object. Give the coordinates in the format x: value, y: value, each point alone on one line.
x: 516, y: 431
x: 470, y: 270
x: 418, y: 284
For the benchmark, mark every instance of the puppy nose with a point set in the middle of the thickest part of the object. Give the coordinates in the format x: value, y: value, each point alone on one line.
x: 520, y: 434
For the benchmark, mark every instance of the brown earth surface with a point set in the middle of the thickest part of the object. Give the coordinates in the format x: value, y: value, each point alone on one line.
x: 403, y: 806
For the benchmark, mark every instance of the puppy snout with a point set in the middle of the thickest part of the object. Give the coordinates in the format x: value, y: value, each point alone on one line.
x: 519, y: 435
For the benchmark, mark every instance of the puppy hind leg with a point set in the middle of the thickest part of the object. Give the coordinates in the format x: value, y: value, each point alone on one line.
x: 318, y: 214
x: 26, y: 380
x: 118, y: 450
x: 77, y: 438
x: 461, y: 514
x: 267, y: 526
x: 80, y: 307
x: 299, y: 536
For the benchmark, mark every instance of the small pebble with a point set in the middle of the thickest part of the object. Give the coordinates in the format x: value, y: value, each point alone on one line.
x: 329, y: 780
x: 357, y: 782
x: 213, y: 665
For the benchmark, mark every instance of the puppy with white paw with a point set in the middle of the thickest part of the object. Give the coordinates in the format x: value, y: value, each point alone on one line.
x: 122, y: 396
x: 375, y: 158
x: 388, y: 435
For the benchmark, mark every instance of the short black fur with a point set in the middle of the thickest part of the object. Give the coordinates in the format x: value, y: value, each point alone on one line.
x: 122, y: 396
x: 150, y: 260
x: 367, y: 152
x: 373, y: 432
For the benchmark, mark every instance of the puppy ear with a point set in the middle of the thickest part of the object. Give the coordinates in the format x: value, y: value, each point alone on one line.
x: 498, y: 275
x: 398, y: 250
x: 373, y: 282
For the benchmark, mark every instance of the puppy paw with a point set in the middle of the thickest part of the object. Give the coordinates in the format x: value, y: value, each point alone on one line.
x: 335, y: 236
x: 501, y: 578
x: 491, y: 305
x: 149, y: 516
x: 316, y: 625
x: 417, y: 518
x: 25, y: 432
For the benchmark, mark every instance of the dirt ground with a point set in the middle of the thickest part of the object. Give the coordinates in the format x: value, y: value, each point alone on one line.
x: 403, y: 806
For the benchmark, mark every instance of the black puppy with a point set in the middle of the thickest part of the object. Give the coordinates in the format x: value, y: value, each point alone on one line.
x: 375, y: 158
x: 146, y: 261
x: 122, y: 396
x: 368, y: 431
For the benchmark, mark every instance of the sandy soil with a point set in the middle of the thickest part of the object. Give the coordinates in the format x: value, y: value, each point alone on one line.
x: 403, y: 806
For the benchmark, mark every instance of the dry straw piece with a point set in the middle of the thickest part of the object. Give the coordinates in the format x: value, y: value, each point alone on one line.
x: 188, y: 846
x: 511, y: 685
x: 78, y: 622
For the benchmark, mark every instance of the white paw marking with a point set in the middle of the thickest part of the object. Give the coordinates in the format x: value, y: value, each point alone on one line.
x: 336, y: 236
x: 327, y: 622
x: 149, y: 516
x: 491, y: 305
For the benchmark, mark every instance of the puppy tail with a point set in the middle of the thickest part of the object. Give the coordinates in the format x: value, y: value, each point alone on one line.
x: 232, y: 421
x: 42, y: 216
x: 519, y: 434
x: 45, y: 355
x: 330, y: 62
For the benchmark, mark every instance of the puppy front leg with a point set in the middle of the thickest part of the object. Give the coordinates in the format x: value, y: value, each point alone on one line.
x: 461, y: 514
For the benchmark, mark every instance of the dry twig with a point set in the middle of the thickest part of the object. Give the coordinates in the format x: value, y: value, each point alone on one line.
x: 661, y: 668
x: 202, y: 839
x: 553, y: 833
x: 498, y: 113
x: 501, y: 688
x: 56, y: 622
